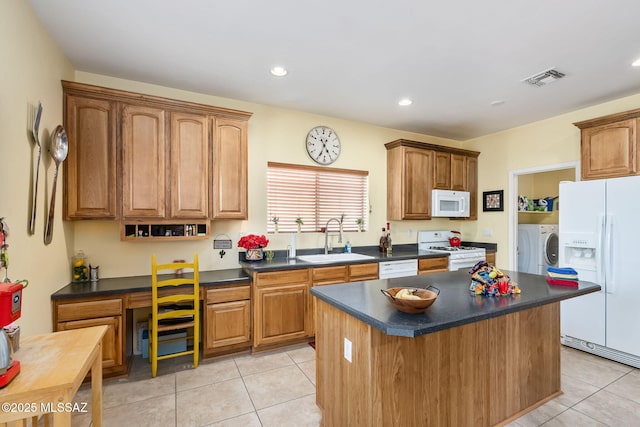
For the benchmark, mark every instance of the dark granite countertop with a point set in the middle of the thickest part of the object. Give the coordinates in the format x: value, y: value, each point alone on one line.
x: 455, y: 306
x: 400, y: 252
x: 124, y: 285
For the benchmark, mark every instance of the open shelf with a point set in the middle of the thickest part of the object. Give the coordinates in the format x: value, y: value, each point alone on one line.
x: 164, y: 231
x: 536, y: 212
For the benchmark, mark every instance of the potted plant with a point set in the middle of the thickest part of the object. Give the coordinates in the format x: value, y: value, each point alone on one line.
x: 275, y: 221
x: 254, y: 246
x: 299, y: 222
x: 360, y: 223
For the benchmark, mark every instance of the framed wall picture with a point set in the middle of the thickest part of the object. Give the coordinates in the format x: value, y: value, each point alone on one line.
x: 493, y: 201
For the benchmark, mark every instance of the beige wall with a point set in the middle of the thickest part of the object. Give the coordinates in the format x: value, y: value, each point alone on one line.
x: 32, y: 67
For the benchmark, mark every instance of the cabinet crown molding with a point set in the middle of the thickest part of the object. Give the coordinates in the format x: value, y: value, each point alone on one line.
x: 82, y: 89
x: 610, y: 118
x: 427, y: 146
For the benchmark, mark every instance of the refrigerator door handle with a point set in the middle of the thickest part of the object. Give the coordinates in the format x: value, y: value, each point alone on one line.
x: 599, y: 252
x: 609, y: 272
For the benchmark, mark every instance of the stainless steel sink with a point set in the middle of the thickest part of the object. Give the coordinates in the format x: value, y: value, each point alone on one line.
x: 329, y: 258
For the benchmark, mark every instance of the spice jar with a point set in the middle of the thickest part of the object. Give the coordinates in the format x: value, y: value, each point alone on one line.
x: 80, y: 268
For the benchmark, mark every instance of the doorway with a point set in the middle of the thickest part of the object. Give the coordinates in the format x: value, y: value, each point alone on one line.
x: 536, y: 183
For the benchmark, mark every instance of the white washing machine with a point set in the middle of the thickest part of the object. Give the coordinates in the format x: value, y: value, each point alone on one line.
x: 537, y: 247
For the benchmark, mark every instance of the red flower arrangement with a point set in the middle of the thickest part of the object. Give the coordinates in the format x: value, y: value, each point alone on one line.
x: 252, y: 241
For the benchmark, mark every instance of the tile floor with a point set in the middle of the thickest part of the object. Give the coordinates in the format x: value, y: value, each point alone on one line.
x: 278, y: 389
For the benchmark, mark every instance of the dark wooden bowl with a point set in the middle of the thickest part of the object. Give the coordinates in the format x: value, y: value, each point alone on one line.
x: 412, y: 306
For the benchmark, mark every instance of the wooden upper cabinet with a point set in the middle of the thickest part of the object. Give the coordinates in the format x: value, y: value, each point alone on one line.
x: 610, y: 150
x: 134, y: 156
x: 229, y: 186
x: 459, y: 172
x: 189, y: 166
x: 90, y: 169
x: 409, y: 183
x: 143, y: 162
x: 442, y: 171
x: 472, y: 186
x: 414, y: 169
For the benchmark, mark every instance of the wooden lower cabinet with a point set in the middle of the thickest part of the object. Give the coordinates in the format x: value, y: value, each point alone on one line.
x: 330, y: 275
x: 282, y: 307
x: 228, y: 323
x: 359, y: 272
x: 226, y: 320
x: 111, y: 342
x: 491, y: 258
x: 85, y: 313
x: 433, y: 265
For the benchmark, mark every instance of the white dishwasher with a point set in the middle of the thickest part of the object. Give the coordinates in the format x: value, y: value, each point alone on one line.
x: 400, y: 268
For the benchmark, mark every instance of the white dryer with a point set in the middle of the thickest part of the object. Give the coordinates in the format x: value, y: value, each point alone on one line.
x: 537, y: 247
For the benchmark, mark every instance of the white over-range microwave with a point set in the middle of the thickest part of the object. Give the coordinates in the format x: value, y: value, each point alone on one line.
x: 452, y: 204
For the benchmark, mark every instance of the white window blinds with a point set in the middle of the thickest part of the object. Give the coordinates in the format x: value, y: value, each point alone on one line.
x: 315, y: 195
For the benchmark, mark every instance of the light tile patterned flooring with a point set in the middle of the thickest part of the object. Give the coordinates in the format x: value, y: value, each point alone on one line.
x: 278, y: 389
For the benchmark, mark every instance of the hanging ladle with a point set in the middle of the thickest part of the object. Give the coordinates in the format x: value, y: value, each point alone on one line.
x: 59, y: 149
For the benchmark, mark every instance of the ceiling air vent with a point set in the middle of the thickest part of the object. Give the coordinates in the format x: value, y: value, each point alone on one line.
x: 543, y: 78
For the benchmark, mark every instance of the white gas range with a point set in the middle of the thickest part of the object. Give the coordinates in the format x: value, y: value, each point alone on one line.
x: 459, y: 257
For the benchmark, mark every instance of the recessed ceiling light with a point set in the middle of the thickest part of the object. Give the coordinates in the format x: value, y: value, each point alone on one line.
x: 405, y: 101
x: 636, y: 63
x: 497, y: 102
x: 279, y: 71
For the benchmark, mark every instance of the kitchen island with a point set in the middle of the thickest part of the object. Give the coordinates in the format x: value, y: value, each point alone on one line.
x: 468, y: 360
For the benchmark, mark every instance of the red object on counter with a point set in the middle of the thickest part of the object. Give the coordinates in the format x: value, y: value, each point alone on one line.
x: 562, y: 282
x: 10, y: 302
x: 455, y: 240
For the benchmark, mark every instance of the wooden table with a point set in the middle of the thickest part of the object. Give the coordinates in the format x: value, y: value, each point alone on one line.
x: 52, y: 368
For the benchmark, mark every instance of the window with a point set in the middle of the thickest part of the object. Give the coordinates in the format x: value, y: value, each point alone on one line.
x: 314, y: 195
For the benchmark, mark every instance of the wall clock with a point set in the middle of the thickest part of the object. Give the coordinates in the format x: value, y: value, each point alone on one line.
x: 323, y: 145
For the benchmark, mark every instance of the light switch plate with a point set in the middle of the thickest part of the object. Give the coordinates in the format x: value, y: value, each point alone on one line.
x: 347, y: 349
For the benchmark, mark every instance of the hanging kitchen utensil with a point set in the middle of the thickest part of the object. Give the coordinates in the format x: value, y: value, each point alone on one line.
x: 59, y: 149
x: 34, y: 201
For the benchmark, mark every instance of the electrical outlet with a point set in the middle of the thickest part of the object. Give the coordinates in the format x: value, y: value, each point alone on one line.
x: 487, y: 232
x: 410, y: 232
x: 347, y: 349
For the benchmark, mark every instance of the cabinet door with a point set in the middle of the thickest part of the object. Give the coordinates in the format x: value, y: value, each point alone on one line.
x: 433, y: 265
x: 330, y: 275
x: 111, y: 342
x: 358, y: 272
x: 90, y: 169
x: 609, y: 150
x: 491, y: 258
x: 282, y: 314
x: 228, y: 323
x: 418, y: 182
x: 458, y: 172
x: 229, y: 194
x: 143, y: 162
x: 189, y: 166
x: 442, y: 171
x: 472, y: 186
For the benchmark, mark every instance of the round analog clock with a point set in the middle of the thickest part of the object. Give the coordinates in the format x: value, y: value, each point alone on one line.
x: 323, y: 145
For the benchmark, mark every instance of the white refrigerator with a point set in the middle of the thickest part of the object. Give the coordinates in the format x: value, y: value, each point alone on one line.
x: 599, y: 236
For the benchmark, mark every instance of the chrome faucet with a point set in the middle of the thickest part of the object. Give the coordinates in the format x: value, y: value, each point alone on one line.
x: 326, y: 234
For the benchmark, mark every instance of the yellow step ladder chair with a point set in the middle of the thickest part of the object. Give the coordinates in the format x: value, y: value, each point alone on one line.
x: 175, y: 307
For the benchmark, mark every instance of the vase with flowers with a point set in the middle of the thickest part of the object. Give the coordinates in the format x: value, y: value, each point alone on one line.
x: 254, y: 246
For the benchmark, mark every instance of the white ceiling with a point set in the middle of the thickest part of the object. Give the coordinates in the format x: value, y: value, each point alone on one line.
x: 354, y: 59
